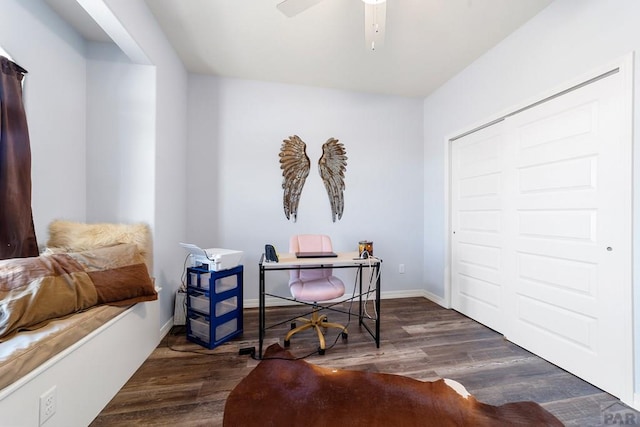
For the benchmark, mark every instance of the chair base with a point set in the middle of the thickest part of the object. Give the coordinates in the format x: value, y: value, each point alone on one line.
x: 317, y: 322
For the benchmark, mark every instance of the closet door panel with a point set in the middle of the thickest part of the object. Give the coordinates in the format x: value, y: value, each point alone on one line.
x: 478, y: 183
x: 567, y: 292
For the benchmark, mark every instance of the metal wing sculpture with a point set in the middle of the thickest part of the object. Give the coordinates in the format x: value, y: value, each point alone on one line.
x: 295, y: 166
x: 332, y: 166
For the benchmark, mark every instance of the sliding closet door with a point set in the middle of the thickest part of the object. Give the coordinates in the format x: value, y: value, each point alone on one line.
x: 541, y: 231
x: 478, y: 185
x: 569, y: 294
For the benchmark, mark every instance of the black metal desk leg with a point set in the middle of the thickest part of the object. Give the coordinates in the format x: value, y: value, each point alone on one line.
x: 378, y: 305
x: 361, y: 310
x: 261, y: 312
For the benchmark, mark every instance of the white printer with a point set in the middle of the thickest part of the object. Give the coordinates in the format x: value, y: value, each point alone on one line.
x: 213, y: 259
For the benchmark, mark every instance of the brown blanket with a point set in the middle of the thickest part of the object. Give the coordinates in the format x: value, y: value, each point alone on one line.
x: 296, y: 393
x: 35, y: 290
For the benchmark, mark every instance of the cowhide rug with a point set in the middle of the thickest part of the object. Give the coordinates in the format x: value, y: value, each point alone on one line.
x: 296, y: 393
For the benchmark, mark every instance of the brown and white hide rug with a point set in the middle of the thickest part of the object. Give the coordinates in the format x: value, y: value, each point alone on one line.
x: 296, y: 393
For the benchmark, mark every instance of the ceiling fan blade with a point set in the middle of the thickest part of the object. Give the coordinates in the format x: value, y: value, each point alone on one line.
x: 294, y: 7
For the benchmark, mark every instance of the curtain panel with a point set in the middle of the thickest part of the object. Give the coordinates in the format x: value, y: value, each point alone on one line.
x: 17, y: 233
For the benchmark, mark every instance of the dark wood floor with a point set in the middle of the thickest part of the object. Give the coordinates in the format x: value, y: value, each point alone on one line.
x: 184, y: 384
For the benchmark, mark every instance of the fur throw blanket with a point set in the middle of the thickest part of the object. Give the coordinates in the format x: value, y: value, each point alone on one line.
x: 68, y: 236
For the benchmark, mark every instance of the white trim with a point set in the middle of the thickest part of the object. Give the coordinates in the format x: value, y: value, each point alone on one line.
x: 410, y: 293
x: 106, y: 19
x: 61, y: 355
x: 5, y: 53
x: 627, y: 71
x: 166, y: 328
x: 447, y: 222
x: 437, y: 299
x: 95, y: 359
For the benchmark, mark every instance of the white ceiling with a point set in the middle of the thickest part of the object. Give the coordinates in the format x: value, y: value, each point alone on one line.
x: 427, y: 41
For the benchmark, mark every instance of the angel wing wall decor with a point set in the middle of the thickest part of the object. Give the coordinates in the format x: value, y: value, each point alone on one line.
x: 295, y: 166
x: 332, y: 166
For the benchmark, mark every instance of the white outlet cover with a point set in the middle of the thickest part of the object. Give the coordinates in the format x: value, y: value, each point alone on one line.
x: 47, y: 404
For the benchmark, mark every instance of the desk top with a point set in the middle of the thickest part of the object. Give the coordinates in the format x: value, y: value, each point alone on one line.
x: 343, y: 258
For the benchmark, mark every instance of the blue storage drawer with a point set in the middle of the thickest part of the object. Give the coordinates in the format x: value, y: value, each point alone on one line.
x: 202, y: 303
x: 202, y: 328
x: 214, y: 305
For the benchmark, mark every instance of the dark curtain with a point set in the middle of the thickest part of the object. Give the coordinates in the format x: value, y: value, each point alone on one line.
x: 17, y: 234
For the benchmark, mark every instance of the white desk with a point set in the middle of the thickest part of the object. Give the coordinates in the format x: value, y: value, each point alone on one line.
x: 288, y: 261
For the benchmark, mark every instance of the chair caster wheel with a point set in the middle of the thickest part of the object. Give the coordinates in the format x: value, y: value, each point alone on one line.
x: 345, y: 336
x: 321, y: 351
x: 287, y: 343
x: 293, y: 325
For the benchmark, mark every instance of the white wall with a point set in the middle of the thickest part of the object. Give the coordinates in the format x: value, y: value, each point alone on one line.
x: 566, y: 40
x: 120, y: 137
x: 235, y: 183
x: 55, y: 102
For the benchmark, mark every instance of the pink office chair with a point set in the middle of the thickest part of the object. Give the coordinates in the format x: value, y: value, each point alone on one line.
x: 314, y: 286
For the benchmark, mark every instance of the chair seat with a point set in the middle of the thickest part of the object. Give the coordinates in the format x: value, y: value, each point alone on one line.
x: 320, y: 289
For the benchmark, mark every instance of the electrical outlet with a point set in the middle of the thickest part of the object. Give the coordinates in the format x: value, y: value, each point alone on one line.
x: 47, y: 404
x: 401, y: 269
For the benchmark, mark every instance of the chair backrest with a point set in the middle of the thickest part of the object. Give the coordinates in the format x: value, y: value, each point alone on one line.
x: 318, y: 284
x: 310, y: 243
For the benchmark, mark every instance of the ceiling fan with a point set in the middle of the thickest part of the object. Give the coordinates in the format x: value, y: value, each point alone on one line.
x: 375, y: 15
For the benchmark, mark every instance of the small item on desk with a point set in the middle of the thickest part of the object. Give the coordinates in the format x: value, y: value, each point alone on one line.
x: 365, y: 249
x: 320, y: 254
x: 270, y: 254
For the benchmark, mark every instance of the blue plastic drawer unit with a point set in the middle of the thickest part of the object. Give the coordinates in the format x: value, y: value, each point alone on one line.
x: 214, y: 305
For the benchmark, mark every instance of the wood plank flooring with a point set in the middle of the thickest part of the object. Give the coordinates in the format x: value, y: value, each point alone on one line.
x: 184, y: 384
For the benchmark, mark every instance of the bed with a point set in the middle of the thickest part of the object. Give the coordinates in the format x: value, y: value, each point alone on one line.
x: 94, y: 340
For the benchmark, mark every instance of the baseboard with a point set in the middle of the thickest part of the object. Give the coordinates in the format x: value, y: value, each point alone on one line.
x: 435, y: 298
x: 166, y: 328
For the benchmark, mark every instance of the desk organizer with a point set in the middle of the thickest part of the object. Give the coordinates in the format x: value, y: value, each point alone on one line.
x: 214, y: 305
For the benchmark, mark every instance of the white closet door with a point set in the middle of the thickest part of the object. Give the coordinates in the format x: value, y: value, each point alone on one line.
x: 541, y: 232
x: 569, y: 299
x: 477, y: 241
